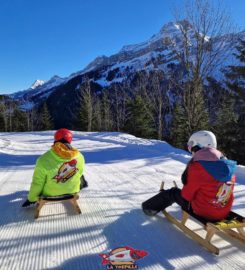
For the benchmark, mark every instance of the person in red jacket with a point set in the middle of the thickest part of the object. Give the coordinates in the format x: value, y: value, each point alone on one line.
x: 208, y: 182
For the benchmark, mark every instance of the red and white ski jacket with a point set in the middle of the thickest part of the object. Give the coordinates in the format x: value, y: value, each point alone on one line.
x: 210, y: 183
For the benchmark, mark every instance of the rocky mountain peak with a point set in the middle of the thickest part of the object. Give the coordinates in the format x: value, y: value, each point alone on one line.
x: 37, y: 83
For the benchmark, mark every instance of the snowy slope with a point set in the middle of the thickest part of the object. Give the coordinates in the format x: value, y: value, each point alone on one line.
x: 122, y: 171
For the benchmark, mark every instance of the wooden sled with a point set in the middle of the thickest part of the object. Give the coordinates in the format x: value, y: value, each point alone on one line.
x: 72, y: 198
x: 233, y: 226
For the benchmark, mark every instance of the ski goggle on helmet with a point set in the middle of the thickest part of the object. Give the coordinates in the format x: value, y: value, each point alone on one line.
x: 63, y: 134
x: 202, y: 138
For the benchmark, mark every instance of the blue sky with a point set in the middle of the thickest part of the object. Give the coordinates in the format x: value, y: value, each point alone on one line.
x: 43, y: 38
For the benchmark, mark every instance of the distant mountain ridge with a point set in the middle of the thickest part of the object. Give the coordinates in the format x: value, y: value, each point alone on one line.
x: 154, y: 53
x: 130, y: 52
x: 39, y: 88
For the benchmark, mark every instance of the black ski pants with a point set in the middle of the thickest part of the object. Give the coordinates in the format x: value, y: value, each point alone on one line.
x: 164, y: 199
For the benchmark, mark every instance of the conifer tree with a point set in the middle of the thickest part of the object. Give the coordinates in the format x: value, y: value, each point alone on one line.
x: 236, y: 74
x: 2, y: 122
x: 138, y: 122
x: 194, y: 108
x: 10, y: 110
x: 81, y: 123
x: 97, y: 119
x: 19, y: 120
x: 87, y: 101
x: 107, y: 121
x: 179, y: 129
x: 46, y: 120
x: 2, y: 118
x: 189, y: 116
x: 235, y: 81
x: 226, y: 128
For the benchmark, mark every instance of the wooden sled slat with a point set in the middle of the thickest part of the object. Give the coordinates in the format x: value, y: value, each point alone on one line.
x: 240, y: 235
x: 72, y: 198
x: 204, y: 242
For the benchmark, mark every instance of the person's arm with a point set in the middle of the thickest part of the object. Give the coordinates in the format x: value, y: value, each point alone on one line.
x: 184, y: 175
x: 193, y: 182
x: 38, y: 181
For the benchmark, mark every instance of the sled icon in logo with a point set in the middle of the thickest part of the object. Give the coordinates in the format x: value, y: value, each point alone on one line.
x: 66, y: 171
x: 123, y: 258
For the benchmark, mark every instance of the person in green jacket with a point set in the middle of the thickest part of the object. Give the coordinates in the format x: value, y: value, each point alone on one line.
x: 58, y: 171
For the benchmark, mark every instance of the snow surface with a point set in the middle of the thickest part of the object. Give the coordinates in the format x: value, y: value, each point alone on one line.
x: 122, y: 172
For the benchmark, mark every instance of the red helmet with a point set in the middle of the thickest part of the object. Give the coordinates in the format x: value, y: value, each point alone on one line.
x: 64, y: 134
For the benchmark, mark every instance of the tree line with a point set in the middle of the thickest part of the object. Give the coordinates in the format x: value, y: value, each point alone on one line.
x: 166, y: 105
x: 14, y: 119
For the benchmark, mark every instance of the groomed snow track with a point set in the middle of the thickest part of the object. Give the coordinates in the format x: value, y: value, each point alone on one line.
x: 122, y: 171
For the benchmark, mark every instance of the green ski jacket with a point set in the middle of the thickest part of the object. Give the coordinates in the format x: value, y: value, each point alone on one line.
x: 57, y: 172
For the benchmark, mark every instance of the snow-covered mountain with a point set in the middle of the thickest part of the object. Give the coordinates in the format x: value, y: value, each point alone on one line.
x: 37, y: 83
x: 155, y: 53
x: 122, y: 171
x: 39, y: 90
x: 140, y: 53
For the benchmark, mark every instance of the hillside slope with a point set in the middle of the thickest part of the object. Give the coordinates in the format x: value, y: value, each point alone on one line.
x: 122, y: 171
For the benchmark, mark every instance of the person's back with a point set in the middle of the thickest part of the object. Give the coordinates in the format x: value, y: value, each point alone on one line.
x: 58, y: 171
x: 209, y: 185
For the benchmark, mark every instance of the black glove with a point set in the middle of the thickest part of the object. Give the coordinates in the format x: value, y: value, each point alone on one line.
x: 28, y: 203
x: 83, y: 182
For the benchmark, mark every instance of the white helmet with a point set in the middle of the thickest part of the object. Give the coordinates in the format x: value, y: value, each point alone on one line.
x: 202, y: 138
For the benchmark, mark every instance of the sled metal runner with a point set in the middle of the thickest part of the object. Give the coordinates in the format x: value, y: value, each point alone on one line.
x: 233, y: 226
x: 72, y: 198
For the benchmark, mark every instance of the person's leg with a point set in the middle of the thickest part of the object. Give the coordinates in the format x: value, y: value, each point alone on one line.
x: 164, y: 199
